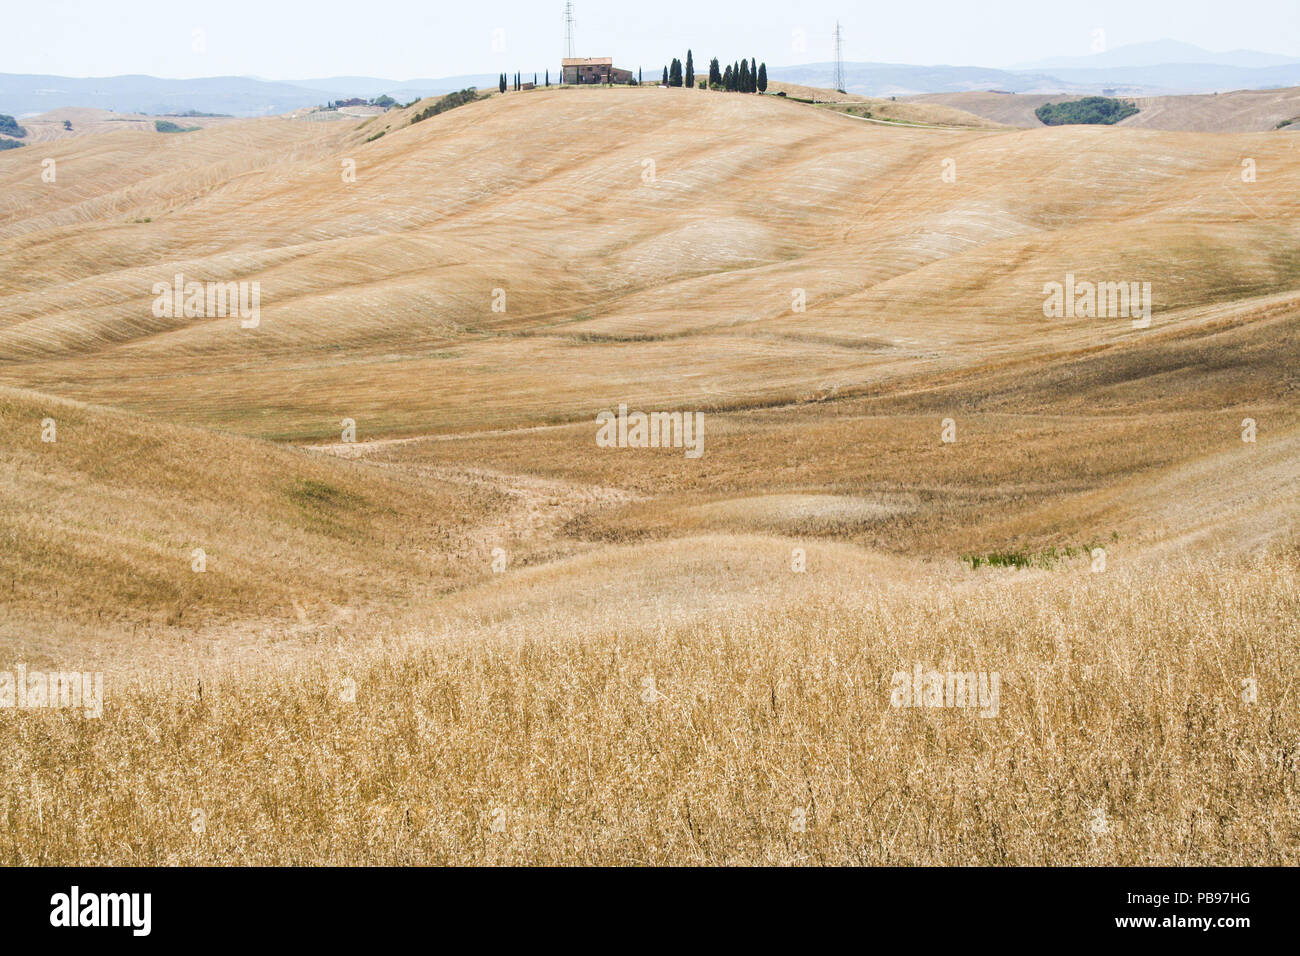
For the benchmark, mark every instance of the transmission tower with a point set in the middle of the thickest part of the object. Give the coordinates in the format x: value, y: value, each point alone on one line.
x: 568, y: 30
x: 839, y: 57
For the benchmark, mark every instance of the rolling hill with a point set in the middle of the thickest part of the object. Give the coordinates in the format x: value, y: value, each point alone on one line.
x: 494, y: 589
x: 1241, y: 111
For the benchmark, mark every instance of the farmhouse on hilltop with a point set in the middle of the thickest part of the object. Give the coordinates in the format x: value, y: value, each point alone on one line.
x: 593, y: 69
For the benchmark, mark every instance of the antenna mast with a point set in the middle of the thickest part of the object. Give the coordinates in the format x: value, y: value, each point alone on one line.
x: 839, y: 57
x: 568, y: 30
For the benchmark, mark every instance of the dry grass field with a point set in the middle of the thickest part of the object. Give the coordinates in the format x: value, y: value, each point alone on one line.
x: 48, y: 126
x: 475, y: 635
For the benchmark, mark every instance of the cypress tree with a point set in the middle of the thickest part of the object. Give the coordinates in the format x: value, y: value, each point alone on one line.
x: 715, y: 72
x: 502, y: 84
x: 753, y: 75
x: 665, y: 76
x: 744, y: 76
x: 690, y: 70
x: 762, y: 78
x: 726, y: 80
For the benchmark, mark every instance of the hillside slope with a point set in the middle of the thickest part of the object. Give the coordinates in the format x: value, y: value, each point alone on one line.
x: 377, y: 296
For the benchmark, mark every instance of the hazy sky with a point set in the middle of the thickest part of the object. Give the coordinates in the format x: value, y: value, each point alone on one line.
x: 405, y: 40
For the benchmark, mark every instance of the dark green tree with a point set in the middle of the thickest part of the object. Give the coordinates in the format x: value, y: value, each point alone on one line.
x: 690, y: 70
x: 744, y: 76
x: 502, y: 84
x: 9, y: 126
x: 715, y: 73
x: 762, y: 78
x: 665, y: 76
x: 728, y: 81
x: 675, y: 73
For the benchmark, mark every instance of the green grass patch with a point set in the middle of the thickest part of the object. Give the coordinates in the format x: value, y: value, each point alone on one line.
x: 1047, y: 558
x: 328, y: 509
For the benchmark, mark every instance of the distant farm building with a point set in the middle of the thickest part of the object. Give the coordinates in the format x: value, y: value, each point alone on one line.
x: 594, y: 69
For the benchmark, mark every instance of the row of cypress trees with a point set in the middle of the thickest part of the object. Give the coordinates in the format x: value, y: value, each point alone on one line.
x: 744, y: 76
x: 747, y: 76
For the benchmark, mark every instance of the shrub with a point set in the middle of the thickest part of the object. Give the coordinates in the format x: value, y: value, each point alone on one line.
x: 167, y: 126
x: 448, y: 102
x: 10, y: 144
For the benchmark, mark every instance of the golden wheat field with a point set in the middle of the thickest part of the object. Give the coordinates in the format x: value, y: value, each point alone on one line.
x: 943, y: 579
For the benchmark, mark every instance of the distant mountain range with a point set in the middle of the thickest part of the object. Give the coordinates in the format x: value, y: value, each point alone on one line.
x: 22, y: 94
x: 888, y: 79
x: 1162, y: 67
x: 1159, y: 53
x: 343, y: 87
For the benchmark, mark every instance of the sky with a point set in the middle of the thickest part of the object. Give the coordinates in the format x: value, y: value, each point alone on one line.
x: 402, y: 40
